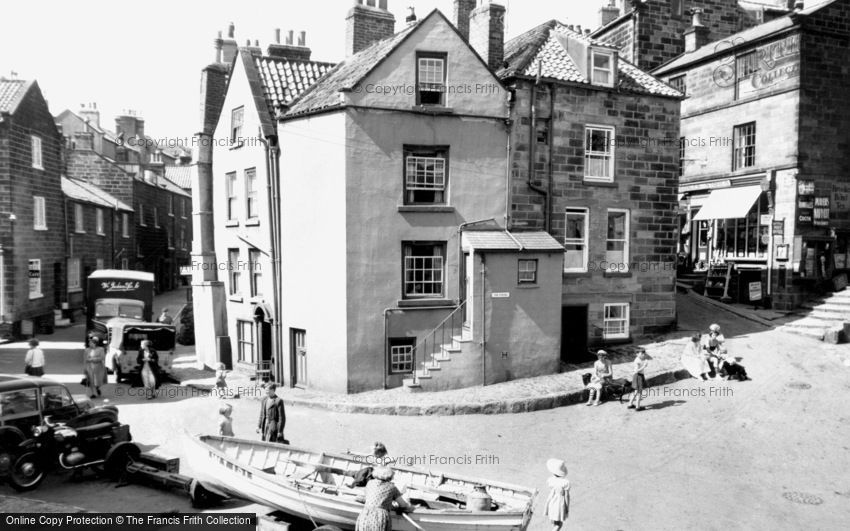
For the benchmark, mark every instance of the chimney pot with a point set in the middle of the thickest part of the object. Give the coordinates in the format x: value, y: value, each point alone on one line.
x: 487, y: 33
x: 277, y: 35
x: 290, y: 37
x: 231, y: 30
x: 696, y: 12
x: 366, y: 25
x: 586, y: 31
x: 302, y: 39
x: 256, y: 42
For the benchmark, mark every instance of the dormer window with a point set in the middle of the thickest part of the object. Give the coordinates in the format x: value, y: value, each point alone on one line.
x: 602, y: 68
x: 431, y: 79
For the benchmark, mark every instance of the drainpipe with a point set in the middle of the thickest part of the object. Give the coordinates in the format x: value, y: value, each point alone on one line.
x: 483, y: 321
x: 509, y: 159
x: 67, y: 249
x: 532, y: 145
x: 272, y: 153
x: 551, y: 139
x: 460, y: 250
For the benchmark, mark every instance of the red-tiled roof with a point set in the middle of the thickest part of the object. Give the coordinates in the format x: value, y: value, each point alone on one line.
x: 542, y: 47
x: 11, y: 93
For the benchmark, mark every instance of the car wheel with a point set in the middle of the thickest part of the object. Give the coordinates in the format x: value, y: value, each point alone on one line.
x: 26, y: 472
x: 10, y: 438
x: 119, y: 457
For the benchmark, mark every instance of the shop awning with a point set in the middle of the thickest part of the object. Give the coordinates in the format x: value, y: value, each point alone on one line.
x: 729, y: 203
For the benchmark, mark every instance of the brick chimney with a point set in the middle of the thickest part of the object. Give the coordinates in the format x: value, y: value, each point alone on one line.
x: 130, y: 124
x: 367, y: 22
x: 697, y: 35
x: 609, y: 13
x: 462, y: 10
x: 289, y: 51
x: 90, y: 113
x: 83, y: 141
x: 487, y: 33
x: 228, y: 45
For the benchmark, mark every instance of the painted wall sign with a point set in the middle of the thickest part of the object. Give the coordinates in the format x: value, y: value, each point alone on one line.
x: 805, y: 187
x: 500, y: 295
x: 820, y: 216
x: 841, y: 197
x: 805, y: 201
x: 712, y: 185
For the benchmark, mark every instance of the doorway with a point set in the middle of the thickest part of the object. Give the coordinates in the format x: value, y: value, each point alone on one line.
x: 574, y: 335
x: 298, y: 356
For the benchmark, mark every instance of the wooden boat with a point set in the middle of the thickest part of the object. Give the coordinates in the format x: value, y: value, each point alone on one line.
x: 318, y: 486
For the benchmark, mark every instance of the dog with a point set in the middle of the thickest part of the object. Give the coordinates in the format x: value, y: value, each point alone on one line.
x: 618, y: 388
x: 733, y: 371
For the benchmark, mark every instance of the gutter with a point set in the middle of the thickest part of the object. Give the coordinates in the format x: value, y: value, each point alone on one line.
x: 272, y: 154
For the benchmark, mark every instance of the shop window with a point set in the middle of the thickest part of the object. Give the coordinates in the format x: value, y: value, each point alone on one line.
x: 746, y: 237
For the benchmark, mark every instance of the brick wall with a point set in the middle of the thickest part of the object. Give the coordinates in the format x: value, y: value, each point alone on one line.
x: 90, y: 246
x: 365, y: 25
x: 487, y: 34
x: 646, y: 165
x: 19, y: 182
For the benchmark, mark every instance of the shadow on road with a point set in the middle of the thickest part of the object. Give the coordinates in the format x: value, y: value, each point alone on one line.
x: 665, y: 404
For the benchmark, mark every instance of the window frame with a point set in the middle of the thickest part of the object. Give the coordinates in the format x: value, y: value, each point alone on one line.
x: 37, y: 152
x: 626, y: 319
x: 430, y: 56
x: 231, y: 195
x: 171, y: 205
x: 236, y: 128
x: 526, y: 261
x: 141, y: 215
x: 182, y: 240
x: 611, y: 70
x: 79, y: 218
x: 125, y: 264
x: 256, y: 277
x: 746, y: 65
x: 183, y: 207
x: 252, y: 204
x: 39, y: 219
x: 30, y: 269
x: 740, y: 152
x: 679, y: 83
x: 99, y: 263
x: 682, y: 155
x: 610, y: 154
x: 585, y: 243
x: 125, y: 225
x: 425, y: 152
x: 442, y: 246
x: 156, y: 217
x: 99, y: 222
x: 626, y: 240
x: 73, y: 275
x: 400, y: 342
x: 241, y: 326
x: 234, y: 288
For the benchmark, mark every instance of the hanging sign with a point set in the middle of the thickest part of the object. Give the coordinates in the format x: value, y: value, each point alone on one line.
x: 821, y: 212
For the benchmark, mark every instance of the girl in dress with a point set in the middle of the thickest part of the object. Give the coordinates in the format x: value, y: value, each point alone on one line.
x: 148, y: 360
x: 93, y: 365
x: 558, y: 502
x: 34, y: 360
x: 379, y: 498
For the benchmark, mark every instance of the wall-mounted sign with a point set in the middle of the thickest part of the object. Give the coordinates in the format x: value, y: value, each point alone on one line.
x: 805, y: 187
x: 779, y: 227
x: 755, y: 291
x: 500, y: 295
x: 805, y: 201
x: 782, y: 252
x: 712, y: 185
x: 821, y: 212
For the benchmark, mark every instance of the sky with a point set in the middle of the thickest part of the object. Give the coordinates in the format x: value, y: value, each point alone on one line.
x: 147, y: 56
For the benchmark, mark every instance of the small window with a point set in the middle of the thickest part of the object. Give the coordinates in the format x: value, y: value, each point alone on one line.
x: 74, y: 274
x: 141, y: 215
x: 236, y: 119
x: 677, y: 9
x: 527, y: 271
x: 576, y: 241
x: 156, y: 217
x: 182, y: 238
x: 245, y: 337
x: 34, y: 270
x: 170, y: 205
x: 256, y: 272
x: 233, y: 267
x: 599, y: 153
x: 39, y: 214
x: 616, y: 323
x: 98, y: 221
x: 232, y: 196
x: 169, y: 236
x: 36, y: 152
x: 542, y: 131
x: 125, y: 225
x: 744, y: 146
x: 617, y: 242
x: 425, y: 175
x: 251, y: 194
x: 423, y: 267
x: 401, y: 354
x: 746, y: 66
x: 679, y: 83
x: 79, y: 218
x: 431, y: 79
x: 183, y: 207
x: 602, y: 68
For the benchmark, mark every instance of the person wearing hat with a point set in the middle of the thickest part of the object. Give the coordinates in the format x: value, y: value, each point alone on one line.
x: 94, y: 366
x: 714, y: 350
x: 379, y: 497
x: 34, y: 360
x: 602, y: 374
x: 558, y: 502
x: 693, y: 359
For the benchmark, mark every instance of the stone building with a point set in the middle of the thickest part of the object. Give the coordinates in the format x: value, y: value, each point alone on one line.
x: 765, y: 142
x: 32, y: 211
x: 594, y: 148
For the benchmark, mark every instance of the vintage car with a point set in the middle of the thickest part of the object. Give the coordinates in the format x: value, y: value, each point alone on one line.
x: 124, y: 339
x: 24, y: 403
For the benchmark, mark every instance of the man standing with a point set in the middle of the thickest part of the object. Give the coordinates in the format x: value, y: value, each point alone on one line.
x: 164, y: 318
x: 272, y: 416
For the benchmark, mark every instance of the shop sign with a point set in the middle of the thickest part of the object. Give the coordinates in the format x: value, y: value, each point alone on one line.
x: 755, y: 291
x: 840, y: 197
x: 705, y: 186
x: 821, y: 212
x: 779, y: 227
x: 500, y: 295
x: 765, y: 219
x: 805, y: 187
x: 805, y: 202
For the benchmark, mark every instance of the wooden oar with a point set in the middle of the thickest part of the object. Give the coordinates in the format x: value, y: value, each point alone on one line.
x: 412, y: 522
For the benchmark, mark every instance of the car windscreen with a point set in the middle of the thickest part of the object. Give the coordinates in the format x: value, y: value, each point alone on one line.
x: 109, y: 309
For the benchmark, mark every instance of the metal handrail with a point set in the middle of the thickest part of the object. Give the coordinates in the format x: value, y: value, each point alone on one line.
x: 433, y: 335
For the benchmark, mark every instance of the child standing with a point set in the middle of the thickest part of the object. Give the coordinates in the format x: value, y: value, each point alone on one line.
x: 34, y: 360
x: 221, y: 380
x: 638, y: 379
x: 225, y: 423
x: 558, y: 502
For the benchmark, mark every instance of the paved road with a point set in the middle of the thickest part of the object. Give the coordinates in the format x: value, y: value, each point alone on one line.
x: 736, y: 455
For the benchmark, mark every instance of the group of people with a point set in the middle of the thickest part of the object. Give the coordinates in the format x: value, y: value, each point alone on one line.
x: 708, y: 358
x: 603, y: 374
x: 94, y: 367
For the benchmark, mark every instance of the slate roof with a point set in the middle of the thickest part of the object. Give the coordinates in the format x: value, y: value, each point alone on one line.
x: 325, y: 93
x: 284, y: 80
x: 88, y: 193
x: 502, y: 240
x: 12, y: 91
x: 180, y: 175
x: 542, y: 46
x: 742, y: 38
x: 166, y: 183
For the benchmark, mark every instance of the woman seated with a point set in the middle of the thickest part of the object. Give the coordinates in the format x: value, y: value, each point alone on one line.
x: 603, y: 372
